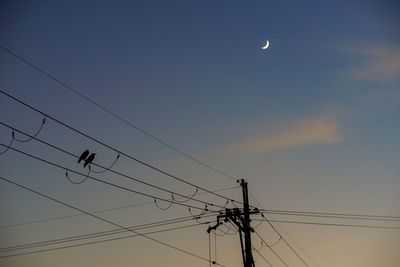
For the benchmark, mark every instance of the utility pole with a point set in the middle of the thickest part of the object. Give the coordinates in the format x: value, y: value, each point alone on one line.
x: 249, y: 262
x: 241, y: 219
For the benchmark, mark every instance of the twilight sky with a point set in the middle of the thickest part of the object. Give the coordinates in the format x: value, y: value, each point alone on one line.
x: 312, y: 123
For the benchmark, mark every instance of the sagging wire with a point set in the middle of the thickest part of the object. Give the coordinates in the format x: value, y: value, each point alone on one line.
x: 265, y: 244
x: 187, y: 198
x: 77, y: 182
x: 255, y: 227
x: 8, y: 147
x: 109, y: 168
x: 280, y: 238
x: 258, y: 252
x: 226, y: 204
x: 173, y: 200
x: 228, y: 230
x: 258, y: 249
x: 33, y: 136
x: 13, y: 137
x: 161, y: 208
x: 204, y: 211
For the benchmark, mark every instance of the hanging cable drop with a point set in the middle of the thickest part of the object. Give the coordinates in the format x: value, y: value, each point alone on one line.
x: 204, y: 211
x: 77, y: 182
x: 33, y: 136
x: 169, y: 206
x: 258, y: 249
x: 280, y: 238
x: 199, y: 216
x: 187, y: 198
x: 9, y: 145
x: 107, y: 169
x: 258, y: 224
x: 228, y: 230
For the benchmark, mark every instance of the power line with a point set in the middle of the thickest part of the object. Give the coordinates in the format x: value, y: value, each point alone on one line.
x: 104, y: 182
x: 111, y: 170
x: 105, y: 220
x: 270, y: 248
x: 96, y: 211
x: 276, y: 254
x: 284, y: 240
x: 281, y: 237
x: 264, y: 258
x: 98, y: 242
x: 338, y: 224
x: 147, y: 133
x: 114, y: 149
x: 333, y: 215
x: 75, y: 238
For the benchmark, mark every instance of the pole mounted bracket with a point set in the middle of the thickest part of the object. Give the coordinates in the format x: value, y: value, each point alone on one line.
x: 210, y: 228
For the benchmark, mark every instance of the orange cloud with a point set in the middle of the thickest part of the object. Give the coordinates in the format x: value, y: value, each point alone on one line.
x: 380, y: 63
x: 321, y: 130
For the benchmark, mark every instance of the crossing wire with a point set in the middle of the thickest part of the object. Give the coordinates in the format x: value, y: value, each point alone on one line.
x: 106, y: 220
x: 284, y: 240
x: 111, y: 170
x: 276, y: 254
x: 102, y: 181
x: 96, y: 242
x: 120, y: 118
x: 96, y: 211
x: 263, y: 257
x: 114, y: 149
x: 75, y: 238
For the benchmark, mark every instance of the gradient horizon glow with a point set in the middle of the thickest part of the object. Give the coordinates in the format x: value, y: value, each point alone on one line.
x: 312, y: 123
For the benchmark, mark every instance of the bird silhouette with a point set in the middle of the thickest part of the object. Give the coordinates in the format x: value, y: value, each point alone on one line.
x: 89, y: 159
x: 83, y: 155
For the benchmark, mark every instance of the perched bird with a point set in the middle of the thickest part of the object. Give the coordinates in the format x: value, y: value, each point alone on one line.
x: 83, y: 155
x: 89, y: 159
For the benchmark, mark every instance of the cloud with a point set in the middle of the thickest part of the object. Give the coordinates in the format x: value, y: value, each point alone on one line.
x: 319, y: 130
x: 379, y: 63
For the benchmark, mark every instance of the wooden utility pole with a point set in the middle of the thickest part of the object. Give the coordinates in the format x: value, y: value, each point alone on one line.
x: 240, y: 218
x: 249, y: 262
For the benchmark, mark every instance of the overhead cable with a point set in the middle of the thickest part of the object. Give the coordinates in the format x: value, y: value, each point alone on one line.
x: 114, y: 149
x: 112, y: 113
x: 74, y: 238
x: 106, y: 220
x: 100, y: 180
x: 96, y: 211
x: 115, y: 172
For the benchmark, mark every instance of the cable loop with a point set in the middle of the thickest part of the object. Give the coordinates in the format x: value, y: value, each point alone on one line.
x: 109, y: 168
x: 9, y: 145
x: 280, y: 238
x: 228, y: 230
x: 77, y: 182
x: 255, y: 227
x: 258, y: 250
x: 33, y: 136
x: 187, y: 198
x: 204, y: 211
x: 161, y: 208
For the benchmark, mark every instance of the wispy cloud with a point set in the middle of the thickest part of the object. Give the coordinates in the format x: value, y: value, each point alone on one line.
x: 319, y: 130
x: 378, y: 63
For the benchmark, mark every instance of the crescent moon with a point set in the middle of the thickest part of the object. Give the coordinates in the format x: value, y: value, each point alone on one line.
x: 266, y: 45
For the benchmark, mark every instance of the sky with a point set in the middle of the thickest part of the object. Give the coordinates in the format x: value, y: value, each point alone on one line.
x: 311, y: 123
